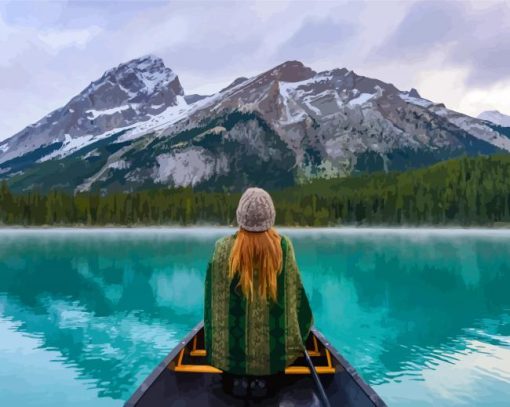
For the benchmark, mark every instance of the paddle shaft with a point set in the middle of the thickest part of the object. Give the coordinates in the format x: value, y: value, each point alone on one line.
x: 317, y: 381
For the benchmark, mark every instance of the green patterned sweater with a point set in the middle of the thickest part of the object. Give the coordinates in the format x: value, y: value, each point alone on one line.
x: 258, y: 337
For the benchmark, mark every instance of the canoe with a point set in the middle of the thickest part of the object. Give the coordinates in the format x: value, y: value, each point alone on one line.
x: 184, y: 379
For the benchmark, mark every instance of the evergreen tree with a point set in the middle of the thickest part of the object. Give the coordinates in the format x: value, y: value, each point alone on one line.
x: 465, y: 191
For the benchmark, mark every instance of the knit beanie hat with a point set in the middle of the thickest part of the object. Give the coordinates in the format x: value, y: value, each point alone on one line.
x: 255, y: 212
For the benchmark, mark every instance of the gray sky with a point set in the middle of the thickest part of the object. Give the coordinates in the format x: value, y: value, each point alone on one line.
x: 456, y: 52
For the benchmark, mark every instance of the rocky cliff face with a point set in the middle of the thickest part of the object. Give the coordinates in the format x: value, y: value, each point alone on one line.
x: 138, y: 129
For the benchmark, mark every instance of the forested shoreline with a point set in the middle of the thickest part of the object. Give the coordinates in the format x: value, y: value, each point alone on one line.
x: 463, y: 192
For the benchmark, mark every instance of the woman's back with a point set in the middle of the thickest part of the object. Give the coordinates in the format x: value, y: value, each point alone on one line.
x: 257, y: 335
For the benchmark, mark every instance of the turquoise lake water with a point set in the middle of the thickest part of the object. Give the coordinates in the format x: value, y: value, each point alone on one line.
x: 85, y: 315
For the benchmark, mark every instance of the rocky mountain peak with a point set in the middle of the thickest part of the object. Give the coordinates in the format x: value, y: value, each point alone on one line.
x: 338, y: 72
x: 414, y: 93
x: 145, y: 62
x: 262, y: 90
x: 290, y: 71
x: 236, y: 82
x: 145, y: 74
x: 132, y: 92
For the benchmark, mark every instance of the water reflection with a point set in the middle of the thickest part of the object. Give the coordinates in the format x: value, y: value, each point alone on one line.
x: 405, y: 310
x: 111, y: 305
x: 398, y: 307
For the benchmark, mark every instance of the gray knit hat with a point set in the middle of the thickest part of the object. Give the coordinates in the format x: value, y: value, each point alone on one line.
x: 255, y: 212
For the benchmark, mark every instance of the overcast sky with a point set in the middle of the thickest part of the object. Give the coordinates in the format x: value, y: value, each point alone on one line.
x: 453, y: 52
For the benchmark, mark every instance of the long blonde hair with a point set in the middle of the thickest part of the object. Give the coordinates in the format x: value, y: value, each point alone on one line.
x: 261, y: 251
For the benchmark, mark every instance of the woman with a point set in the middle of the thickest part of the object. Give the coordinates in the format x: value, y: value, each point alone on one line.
x: 257, y: 314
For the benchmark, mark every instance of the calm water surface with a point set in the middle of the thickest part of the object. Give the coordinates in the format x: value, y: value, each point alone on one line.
x: 85, y: 315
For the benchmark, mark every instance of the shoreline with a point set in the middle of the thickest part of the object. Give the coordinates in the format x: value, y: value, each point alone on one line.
x: 214, y: 229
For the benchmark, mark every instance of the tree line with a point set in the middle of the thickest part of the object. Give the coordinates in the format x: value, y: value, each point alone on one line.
x: 464, y: 191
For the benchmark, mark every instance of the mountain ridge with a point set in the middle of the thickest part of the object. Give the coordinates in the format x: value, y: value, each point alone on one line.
x: 284, y: 126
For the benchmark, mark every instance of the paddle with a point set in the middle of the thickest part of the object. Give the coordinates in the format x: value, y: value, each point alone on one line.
x: 318, y: 383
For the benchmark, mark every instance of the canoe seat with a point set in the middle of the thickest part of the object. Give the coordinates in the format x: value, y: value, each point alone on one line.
x: 188, y: 360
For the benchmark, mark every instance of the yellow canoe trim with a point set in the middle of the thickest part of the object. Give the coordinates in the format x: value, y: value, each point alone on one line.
x: 306, y: 370
x: 196, y: 369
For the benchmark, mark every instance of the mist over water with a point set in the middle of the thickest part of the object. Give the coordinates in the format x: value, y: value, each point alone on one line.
x: 424, y: 315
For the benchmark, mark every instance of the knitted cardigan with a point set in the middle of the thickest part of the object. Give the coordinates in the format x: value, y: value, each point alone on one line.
x: 258, y: 337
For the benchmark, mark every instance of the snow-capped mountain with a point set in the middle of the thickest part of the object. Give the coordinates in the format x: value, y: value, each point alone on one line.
x: 130, y: 93
x: 331, y: 123
x: 283, y: 126
x: 495, y: 117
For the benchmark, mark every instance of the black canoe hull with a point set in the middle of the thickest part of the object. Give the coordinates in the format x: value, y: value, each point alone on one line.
x: 167, y: 387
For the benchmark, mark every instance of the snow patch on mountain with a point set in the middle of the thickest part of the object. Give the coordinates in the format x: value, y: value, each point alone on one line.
x: 415, y: 101
x: 314, y: 80
x: 153, y: 80
x: 93, y: 153
x: 361, y: 99
x: 495, y: 117
x: 169, y: 116
x: 310, y: 100
x: 119, y: 165
x: 292, y: 112
x: 71, y: 145
x: 94, y: 114
x: 298, y: 95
